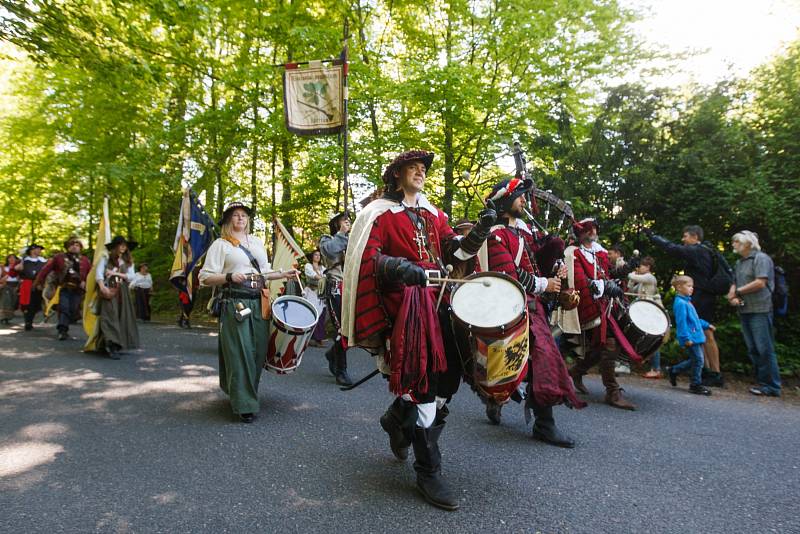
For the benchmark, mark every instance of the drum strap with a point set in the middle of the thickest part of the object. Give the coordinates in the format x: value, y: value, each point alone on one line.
x: 249, y: 255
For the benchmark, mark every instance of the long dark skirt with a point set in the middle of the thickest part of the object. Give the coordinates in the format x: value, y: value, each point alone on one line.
x: 118, y: 322
x: 142, y: 303
x: 9, y: 300
x: 242, y: 351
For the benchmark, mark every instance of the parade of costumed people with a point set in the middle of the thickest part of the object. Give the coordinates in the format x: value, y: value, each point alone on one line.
x: 315, y: 287
x: 398, y: 243
x: 30, y: 296
x: 237, y: 266
x: 9, y: 289
x: 70, y: 268
x: 333, y: 247
x: 116, y: 318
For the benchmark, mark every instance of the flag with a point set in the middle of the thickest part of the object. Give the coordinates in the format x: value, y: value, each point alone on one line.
x: 313, y: 98
x: 287, y: 254
x: 192, y: 239
x: 91, y: 323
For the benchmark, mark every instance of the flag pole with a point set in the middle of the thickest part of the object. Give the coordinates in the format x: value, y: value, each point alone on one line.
x: 345, y: 68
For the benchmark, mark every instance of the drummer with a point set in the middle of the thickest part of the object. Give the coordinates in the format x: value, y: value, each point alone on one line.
x: 237, y: 264
x: 511, y: 250
x: 389, y: 309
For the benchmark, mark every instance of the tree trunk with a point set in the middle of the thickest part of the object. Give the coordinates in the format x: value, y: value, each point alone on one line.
x: 171, y: 187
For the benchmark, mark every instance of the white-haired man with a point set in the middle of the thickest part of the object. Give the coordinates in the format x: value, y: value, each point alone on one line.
x: 751, y: 293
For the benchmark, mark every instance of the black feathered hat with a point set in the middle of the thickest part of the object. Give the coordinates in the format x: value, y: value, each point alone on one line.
x: 118, y: 240
x: 505, y: 192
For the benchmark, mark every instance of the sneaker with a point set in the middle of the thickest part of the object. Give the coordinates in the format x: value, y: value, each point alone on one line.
x: 62, y: 335
x: 757, y: 391
x: 247, y: 417
x: 622, y: 369
x: 699, y: 389
x: 653, y: 374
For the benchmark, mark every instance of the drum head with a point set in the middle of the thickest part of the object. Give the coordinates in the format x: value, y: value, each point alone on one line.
x: 294, y: 311
x: 649, y: 317
x: 498, y: 303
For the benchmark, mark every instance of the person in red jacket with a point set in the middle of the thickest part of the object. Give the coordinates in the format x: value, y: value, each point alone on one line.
x: 602, y: 339
x: 549, y: 383
x: 389, y: 308
x: 71, y: 268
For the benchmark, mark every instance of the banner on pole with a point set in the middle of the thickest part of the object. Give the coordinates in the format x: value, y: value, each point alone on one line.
x: 313, y: 99
x: 287, y: 254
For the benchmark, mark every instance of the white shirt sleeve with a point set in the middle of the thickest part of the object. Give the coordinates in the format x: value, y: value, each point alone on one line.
x: 214, y: 262
x: 134, y: 280
x: 541, y: 285
x: 100, y: 270
x: 310, y: 272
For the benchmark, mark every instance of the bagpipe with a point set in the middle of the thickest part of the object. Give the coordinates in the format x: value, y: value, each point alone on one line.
x: 550, y: 246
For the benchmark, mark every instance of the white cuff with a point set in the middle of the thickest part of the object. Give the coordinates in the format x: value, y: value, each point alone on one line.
x: 463, y: 256
x: 541, y: 285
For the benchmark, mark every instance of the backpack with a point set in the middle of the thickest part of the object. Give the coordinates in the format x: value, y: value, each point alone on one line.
x: 780, y: 293
x: 719, y: 283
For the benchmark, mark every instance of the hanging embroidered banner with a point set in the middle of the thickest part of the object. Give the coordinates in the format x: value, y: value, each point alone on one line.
x: 313, y: 98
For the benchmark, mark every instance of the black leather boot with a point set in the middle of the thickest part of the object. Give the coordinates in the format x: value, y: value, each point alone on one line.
x: 342, y: 378
x: 493, y: 411
x: 544, y: 428
x: 330, y: 355
x: 428, y: 466
x: 398, y: 422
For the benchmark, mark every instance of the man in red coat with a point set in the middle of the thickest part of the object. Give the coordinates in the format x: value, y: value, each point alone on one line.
x: 602, y: 339
x: 397, y: 242
x: 71, y: 268
x: 512, y: 250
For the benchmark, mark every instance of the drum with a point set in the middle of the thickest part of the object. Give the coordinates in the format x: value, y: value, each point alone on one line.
x: 490, y: 320
x: 293, y: 321
x: 645, y: 325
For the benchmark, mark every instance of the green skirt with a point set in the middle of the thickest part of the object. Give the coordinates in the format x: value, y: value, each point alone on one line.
x: 242, y: 351
x: 118, y: 321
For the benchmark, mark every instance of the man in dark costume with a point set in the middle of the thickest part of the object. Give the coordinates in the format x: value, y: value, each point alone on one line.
x: 512, y: 250
x: 30, y: 296
x: 71, y: 268
x: 390, y: 310
x: 333, y: 248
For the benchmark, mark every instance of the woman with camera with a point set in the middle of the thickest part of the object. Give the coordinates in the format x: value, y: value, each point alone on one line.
x: 237, y: 265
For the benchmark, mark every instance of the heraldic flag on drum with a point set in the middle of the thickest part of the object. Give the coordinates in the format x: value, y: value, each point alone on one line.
x: 192, y: 240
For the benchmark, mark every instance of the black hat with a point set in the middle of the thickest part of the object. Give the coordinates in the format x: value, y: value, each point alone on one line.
x: 504, y: 193
x: 232, y: 206
x: 407, y: 157
x: 333, y: 224
x: 31, y: 247
x: 118, y: 240
x: 72, y: 239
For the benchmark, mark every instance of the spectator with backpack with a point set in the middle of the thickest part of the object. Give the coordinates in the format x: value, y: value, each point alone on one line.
x: 752, y: 292
x: 712, y: 277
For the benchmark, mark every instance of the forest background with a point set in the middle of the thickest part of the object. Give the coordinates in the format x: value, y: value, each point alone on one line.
x: 138, y: 99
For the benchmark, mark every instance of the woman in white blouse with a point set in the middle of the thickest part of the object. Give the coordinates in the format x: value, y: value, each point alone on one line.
x: 315, y: 274
x: 117, y: 320
x: 237, y: 264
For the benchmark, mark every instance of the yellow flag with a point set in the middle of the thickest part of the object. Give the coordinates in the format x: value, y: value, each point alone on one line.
x: 91, y: 323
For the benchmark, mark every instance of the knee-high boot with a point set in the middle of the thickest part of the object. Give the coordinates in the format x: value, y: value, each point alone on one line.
x: 398, y: 422
x: 544, y: 427
x: 613, y: 391
x: 428, y: 466
x: 337, y: 363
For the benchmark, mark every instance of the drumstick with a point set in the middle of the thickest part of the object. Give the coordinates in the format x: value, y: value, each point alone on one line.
x: 444, y: 285
x: 486, y: 283
x: 297, y: 275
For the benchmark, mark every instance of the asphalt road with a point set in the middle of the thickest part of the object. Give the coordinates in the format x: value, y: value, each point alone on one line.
x: 147, y: 444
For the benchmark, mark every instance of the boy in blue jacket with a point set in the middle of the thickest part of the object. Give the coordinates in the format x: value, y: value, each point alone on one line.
x: 690, y: 335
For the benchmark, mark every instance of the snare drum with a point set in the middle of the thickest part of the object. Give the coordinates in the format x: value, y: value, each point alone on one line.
x: 293, y: 321
x: 645, y: 325
x: 491, y: 323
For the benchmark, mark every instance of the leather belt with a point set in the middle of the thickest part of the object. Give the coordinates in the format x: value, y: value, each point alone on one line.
x: 253, y: 283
